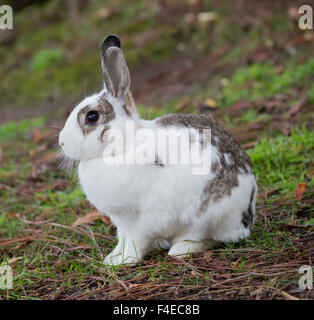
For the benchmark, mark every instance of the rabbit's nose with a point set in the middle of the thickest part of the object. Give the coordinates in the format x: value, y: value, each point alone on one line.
x: 61, y: 143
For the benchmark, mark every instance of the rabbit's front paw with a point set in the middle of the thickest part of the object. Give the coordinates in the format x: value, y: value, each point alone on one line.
x: 181, y: 249
x: 115, y: 260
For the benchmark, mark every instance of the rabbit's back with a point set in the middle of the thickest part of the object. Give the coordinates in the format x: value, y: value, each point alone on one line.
x: 231, y: 161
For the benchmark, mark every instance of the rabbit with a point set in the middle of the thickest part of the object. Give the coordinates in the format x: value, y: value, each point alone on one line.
x: 155, y: 204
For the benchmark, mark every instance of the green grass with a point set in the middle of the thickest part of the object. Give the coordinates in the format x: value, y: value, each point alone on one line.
x: 45, y: 58
x: 283, y: 162
x: 13, y: 130
x: 261, y: 81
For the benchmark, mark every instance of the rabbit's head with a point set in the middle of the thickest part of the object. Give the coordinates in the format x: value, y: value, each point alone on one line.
x: 86, y: 131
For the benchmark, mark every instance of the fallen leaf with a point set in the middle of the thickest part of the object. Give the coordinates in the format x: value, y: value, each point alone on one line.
x: 12, y: 215
x: 90, y: 218
x: 210, y: 103
x: 299, y: 191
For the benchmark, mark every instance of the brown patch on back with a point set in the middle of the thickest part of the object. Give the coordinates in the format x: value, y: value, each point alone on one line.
x: 185, y: 120
x: 226, y: 177
x: 106, y: 114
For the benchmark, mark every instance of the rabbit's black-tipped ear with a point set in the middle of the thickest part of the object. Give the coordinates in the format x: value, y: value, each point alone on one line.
x: 114, y: 68
x: 110, y: 41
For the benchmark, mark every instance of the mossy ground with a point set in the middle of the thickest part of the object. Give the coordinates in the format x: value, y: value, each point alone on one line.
x: 253, y: 75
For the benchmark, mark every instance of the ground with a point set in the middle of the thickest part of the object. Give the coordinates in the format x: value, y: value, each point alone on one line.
x: 246, y: 63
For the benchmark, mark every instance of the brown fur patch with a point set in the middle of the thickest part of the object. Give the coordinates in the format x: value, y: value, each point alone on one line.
x: 226, y: 177
x: 106, y: 114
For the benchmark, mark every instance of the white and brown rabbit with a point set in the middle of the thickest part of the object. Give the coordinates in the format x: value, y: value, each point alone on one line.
x: 156, y: 203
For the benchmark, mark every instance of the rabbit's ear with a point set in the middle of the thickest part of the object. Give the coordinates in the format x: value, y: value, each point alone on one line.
x: 114, y: 68
x: 110, y: 41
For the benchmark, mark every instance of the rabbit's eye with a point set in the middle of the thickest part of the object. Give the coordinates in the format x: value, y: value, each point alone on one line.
x: 92, y: 116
